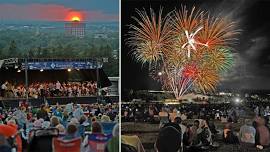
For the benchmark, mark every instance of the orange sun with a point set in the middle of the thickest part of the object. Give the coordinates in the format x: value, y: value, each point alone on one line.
x: 75, y: 18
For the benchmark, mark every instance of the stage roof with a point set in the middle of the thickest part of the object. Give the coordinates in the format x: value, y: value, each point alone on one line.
x: 50, y: 64
x: 47, y: 70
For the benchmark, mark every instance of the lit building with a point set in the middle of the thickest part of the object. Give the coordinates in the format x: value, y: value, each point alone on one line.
x: 75, y: 28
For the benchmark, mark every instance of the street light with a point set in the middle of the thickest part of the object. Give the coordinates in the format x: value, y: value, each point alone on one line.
x: 237, y: 100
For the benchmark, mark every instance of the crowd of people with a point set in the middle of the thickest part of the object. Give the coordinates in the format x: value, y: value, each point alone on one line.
x: 49, y: 89
x: 21, y: 128
x: 147, y: 112
x: 190, y: 127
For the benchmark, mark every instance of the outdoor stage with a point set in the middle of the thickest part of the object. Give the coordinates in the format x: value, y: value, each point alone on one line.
x: 28, y: 71
x: 6, y: 103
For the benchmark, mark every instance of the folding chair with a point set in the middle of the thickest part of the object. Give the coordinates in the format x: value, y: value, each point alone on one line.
x: 60, y: 145
x: 40, y: 140
x: 97, y: 142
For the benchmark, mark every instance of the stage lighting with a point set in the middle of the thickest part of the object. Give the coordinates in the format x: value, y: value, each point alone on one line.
x: 69, y: 70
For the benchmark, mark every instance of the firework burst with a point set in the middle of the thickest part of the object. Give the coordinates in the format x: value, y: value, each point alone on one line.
x: 188, y: 49
x: 150, y: 38
x: 218, y: 32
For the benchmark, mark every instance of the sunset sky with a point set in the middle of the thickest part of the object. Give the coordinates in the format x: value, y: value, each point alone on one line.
x: 59, y: 10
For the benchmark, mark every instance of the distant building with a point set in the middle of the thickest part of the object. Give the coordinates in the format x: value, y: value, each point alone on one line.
x: 75, y: 28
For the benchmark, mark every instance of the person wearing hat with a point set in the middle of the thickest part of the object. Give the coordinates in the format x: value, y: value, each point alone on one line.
x: 10, y: 130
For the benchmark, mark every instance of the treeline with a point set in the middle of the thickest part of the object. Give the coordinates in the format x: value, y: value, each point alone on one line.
x: 48, y: 44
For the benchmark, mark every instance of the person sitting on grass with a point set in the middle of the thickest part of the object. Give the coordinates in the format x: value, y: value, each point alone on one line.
x: 169, y: 140
x: 228, y: 135
x: 247, y: 134
x: 164, y: 117
x: 262, y: 139
x: 71, y: 132
x: 96, y: 127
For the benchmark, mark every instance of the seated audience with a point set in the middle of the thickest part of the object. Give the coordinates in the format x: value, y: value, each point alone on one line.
x: 262, y: 133
x: 229, y: 136
x: 169, y: 140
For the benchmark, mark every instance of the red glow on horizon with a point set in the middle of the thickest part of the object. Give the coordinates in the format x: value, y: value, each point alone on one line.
x: 74, y: 16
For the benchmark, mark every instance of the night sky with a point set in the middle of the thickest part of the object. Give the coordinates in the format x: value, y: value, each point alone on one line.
x: 251, y: 68
x: 59, y: 10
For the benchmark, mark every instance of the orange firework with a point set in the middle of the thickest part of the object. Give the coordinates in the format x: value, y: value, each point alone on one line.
x: 206, y: 79
x: 151, y: 37
x: 184, y: 20
x: 217, y: 32
x: 189, y: 49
